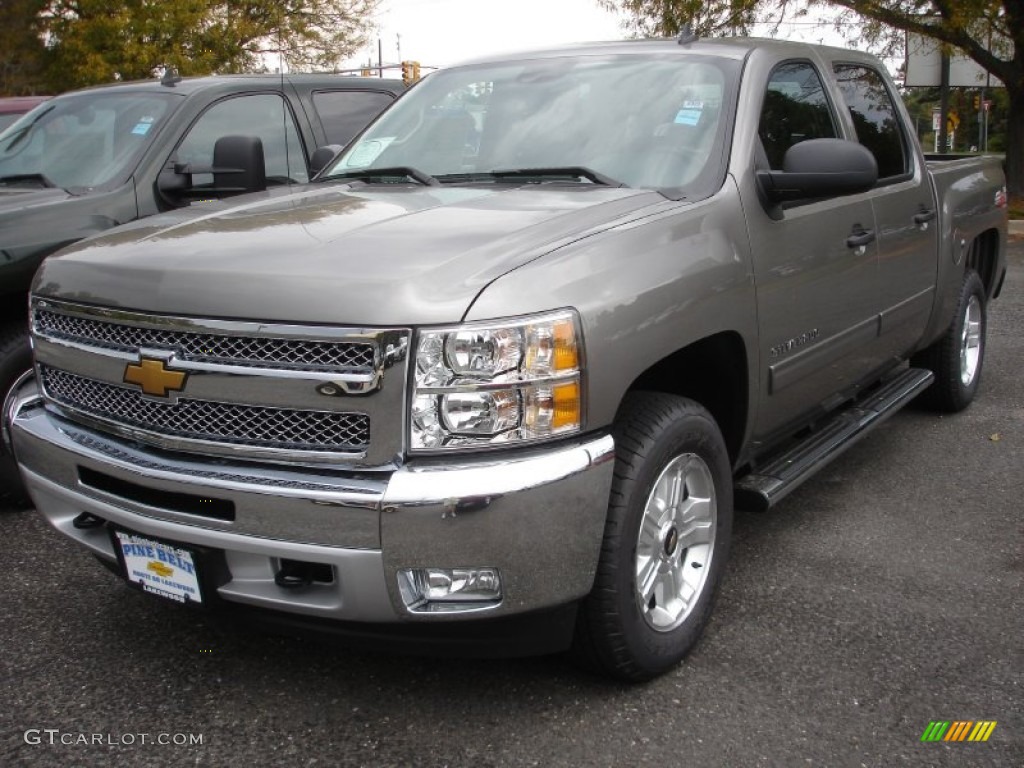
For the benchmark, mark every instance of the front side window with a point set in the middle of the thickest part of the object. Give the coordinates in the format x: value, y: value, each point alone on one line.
x: 874, y: 117
x: 795, y: 109
x: 345, y: 113
x: 264, y: 115
x: 85, y: 141
x: 651, y: 121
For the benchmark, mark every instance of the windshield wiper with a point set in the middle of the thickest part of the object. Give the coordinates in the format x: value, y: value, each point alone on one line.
x: 372, y: 174
x: 22, y: 132
x: 563, y: 172
x: 39, y: 179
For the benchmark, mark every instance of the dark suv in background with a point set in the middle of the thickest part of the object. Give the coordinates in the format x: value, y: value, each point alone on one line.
x: 86, y: 161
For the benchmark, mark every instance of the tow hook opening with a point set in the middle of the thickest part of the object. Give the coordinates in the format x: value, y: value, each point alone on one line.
x: 297, y: 574
x: 87, y: 521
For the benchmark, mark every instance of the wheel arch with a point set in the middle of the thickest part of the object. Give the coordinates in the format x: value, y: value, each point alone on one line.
x: 983, y: 258
x: 713, y: 372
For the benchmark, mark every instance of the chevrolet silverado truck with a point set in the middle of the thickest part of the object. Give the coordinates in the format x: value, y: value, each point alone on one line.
x: 90, y: 160
x: 495, y: 381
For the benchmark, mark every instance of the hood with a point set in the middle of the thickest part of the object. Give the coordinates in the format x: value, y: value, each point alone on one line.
x: 345, y: 254
x: 18, y: 198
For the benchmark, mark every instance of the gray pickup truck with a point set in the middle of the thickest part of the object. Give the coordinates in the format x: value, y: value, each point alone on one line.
x: 495, y: 381
x: 90, y: 160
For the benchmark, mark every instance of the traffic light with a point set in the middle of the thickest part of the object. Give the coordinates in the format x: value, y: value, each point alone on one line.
x: 415, y: 71
x: 407, y: 72
x: 364, y: 72
x: 977, y: 103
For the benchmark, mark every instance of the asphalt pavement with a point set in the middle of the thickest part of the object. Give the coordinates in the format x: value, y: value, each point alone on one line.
x: 883, y: 595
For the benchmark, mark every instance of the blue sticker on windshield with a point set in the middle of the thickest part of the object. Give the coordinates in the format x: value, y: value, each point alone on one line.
x: 688, y: 116
x: 141, y: 129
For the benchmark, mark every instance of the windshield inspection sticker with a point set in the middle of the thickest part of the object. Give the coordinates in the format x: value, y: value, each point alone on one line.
x: 142, y: 127
x: 366, y: 152
x: 690, y: 113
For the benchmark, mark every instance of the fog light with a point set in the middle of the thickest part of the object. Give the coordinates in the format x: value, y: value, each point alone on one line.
x: 426, y: 590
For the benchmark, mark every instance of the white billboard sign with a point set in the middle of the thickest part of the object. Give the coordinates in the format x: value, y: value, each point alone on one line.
x: 924, y: 66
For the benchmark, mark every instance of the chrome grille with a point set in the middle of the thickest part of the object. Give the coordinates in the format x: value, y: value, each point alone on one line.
x: 209, y: 421
x: 263, y: 351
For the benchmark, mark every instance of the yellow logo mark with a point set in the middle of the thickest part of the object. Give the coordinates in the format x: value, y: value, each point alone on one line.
x: 159, y: 569
x: 154, y: 378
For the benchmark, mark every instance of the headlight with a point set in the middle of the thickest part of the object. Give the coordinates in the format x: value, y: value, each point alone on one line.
x: 502, y: 382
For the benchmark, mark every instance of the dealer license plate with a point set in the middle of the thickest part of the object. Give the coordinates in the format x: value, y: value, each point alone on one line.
x: 159, y: 568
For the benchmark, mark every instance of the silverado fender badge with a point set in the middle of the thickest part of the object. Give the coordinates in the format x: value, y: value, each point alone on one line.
x: 154, y: 378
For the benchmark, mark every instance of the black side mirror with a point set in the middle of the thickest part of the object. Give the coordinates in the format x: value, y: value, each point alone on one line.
x: 322, y: 156
x: 820, y: 168
x: 238, y: 167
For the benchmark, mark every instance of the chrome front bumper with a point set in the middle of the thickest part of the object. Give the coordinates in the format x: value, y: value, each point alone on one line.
x: 536, y: 516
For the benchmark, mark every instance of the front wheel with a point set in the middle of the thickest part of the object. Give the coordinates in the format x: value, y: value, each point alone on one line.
x: 15, y: 359
x: 956, y: 357
x: 666, y: 539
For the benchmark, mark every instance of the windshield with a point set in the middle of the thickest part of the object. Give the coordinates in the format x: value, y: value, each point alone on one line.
x: 642, y: 120
x: 83, y: 141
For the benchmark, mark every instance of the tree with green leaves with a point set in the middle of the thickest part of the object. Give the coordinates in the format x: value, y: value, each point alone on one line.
x: 22, y: 54
x: 99, y: 41
x: 991, y: 32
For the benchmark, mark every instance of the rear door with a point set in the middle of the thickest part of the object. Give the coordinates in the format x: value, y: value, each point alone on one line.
x: 815, y: 266
x: 904, y: 208
x: 344, y: 113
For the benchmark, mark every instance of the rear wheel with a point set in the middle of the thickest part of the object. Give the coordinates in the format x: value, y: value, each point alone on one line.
x: 15, y: 359
x: 666, y: 539
x: 957, y: 356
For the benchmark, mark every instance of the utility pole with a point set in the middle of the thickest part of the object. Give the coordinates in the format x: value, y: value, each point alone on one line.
x: 944, y: 108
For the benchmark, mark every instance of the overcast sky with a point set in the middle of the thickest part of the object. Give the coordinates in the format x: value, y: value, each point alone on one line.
x: 441, y: 32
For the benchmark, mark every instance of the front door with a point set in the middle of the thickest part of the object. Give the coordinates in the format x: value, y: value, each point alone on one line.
x: 815, y: 268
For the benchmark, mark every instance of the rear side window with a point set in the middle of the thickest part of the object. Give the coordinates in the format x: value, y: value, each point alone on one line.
x: 874, y: 117
x: 795, y: 109
x: 345, y: 113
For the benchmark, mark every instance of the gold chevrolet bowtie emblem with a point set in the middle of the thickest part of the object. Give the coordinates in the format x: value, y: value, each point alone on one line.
x: 154, y: 378
x: 159, y: 569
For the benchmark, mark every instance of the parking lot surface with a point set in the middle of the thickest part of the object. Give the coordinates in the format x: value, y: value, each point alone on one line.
x: 884, y: 594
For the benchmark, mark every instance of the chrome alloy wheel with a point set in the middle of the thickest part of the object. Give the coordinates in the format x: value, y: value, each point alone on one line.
x: 970, y: 341
x: 675, y: 542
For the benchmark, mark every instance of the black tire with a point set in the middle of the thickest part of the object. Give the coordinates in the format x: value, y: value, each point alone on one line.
x: 950, y: 392
x: 15, y: 359
x: 616, y: 632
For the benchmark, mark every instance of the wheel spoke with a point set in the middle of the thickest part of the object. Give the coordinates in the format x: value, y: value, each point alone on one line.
x: 974, y: 334
x: 647, y: 578
x: 650, y: 534
x: 697, y: 533
x: 677, y: 485
x: 695, y: 508
x: 686, y: 593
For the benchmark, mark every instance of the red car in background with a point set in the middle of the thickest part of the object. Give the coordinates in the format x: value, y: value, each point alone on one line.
x: 14, y: 107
